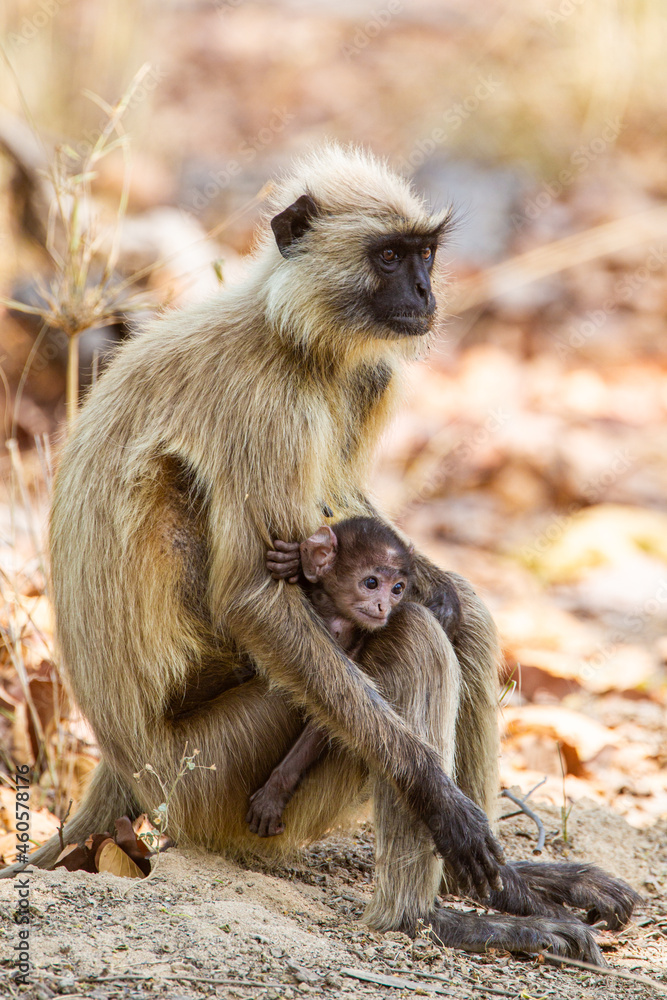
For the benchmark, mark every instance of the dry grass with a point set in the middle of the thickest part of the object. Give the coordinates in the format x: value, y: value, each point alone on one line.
x: 84, y: 291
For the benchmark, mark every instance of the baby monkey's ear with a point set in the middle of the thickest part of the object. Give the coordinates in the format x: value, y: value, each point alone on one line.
x: 318, y: 554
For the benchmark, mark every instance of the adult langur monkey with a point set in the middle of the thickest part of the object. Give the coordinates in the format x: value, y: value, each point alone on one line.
x: 246, y: 419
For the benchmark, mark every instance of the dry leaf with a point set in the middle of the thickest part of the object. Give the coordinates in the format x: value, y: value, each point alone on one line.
x: 8, y: 848
x: 112, y: 859
x: 562, y: 725
x: 135, y: 849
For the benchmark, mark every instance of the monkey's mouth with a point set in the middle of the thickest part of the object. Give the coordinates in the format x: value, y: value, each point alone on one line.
x: 410, y: 324
x: 378, y: 620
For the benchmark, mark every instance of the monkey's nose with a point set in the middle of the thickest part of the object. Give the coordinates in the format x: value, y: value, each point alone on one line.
x: 422, y: 290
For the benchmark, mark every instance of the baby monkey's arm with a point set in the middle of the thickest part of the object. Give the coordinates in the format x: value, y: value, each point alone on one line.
x: 265, y: 815
x: 283, y: 561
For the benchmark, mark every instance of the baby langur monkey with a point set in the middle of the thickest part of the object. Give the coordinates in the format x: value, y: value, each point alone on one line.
x: 354, y: 574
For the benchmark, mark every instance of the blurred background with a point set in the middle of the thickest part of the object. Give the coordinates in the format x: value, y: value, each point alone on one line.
x: 136, y: 141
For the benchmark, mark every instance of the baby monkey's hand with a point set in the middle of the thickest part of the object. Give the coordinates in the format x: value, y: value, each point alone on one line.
x: 283, y: 561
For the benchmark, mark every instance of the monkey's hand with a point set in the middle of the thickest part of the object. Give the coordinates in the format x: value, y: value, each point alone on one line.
x: 283, y: 561
x: 265, y: 815
x: 464, y: 840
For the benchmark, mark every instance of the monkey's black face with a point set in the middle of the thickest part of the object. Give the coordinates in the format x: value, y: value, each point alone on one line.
x: 397, y: 296
x: 403, y: 301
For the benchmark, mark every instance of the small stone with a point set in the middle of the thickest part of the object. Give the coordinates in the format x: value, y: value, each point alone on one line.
x: 43, y: 993
x: 65, y: 984
x: 399, y: 937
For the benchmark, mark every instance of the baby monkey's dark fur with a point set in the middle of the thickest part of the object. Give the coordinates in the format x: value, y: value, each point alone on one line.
x: 240, y: 420
x: 354, y: 573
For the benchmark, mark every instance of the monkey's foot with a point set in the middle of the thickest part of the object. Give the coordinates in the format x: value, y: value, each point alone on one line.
x: 534, y: 887
x: 531, y: 935
x: 265, y: 815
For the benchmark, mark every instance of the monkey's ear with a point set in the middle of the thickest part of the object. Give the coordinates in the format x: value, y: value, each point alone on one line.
x: 318, y: 554
x: 289, y: 226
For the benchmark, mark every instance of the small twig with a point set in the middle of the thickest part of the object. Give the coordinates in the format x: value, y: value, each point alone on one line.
x: 61, y: 828
x: 603, y: 970
x: 517, y: 812
x: 479, y: 987
x: 135, y: 977
x: 396, y: 981
x: 353, y: 899
x: 534, y: 788
x: 541, y: 834
x: 227, y: 982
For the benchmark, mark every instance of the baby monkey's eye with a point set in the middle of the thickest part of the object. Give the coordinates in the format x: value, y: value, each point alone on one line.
x: 398, y: 588
x: 389, y: 255
x: 370, y: 583
x: 427, y: 253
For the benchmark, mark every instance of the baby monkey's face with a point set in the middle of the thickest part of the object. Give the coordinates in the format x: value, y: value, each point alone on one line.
x: 367, y: 593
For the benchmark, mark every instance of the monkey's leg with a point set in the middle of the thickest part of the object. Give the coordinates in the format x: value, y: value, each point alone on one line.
x: 472, y: 631
x: 477, y: 651
x: 544, y: 887
x: 415, y: 667
x: 268, y: 802
x: 528, y: 887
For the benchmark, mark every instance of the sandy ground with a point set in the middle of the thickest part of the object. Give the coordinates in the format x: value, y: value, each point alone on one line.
x: 202, y: 925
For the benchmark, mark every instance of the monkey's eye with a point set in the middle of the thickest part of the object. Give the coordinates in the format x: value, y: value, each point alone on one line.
x: 389, y: 255
x: 427, y: 253
x: 370, y: 583
x: 398, y: 589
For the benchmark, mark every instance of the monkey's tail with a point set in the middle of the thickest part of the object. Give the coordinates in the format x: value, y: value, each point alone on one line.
x: 106, y: 798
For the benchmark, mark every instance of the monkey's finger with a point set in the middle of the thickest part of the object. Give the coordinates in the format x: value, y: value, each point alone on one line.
x: 281, y: 546
x: 282, y: 571
x: 281, y: 555
x: 477, y: 877
x: 485, y: 855
x: 495, y: 849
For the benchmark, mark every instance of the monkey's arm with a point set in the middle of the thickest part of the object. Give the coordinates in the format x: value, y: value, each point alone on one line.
x: 280, y: 630
x: 437, y: 591
x: 266, y: 805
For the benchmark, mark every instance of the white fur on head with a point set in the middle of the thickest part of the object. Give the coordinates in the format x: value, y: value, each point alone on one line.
x: 317, y: 290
